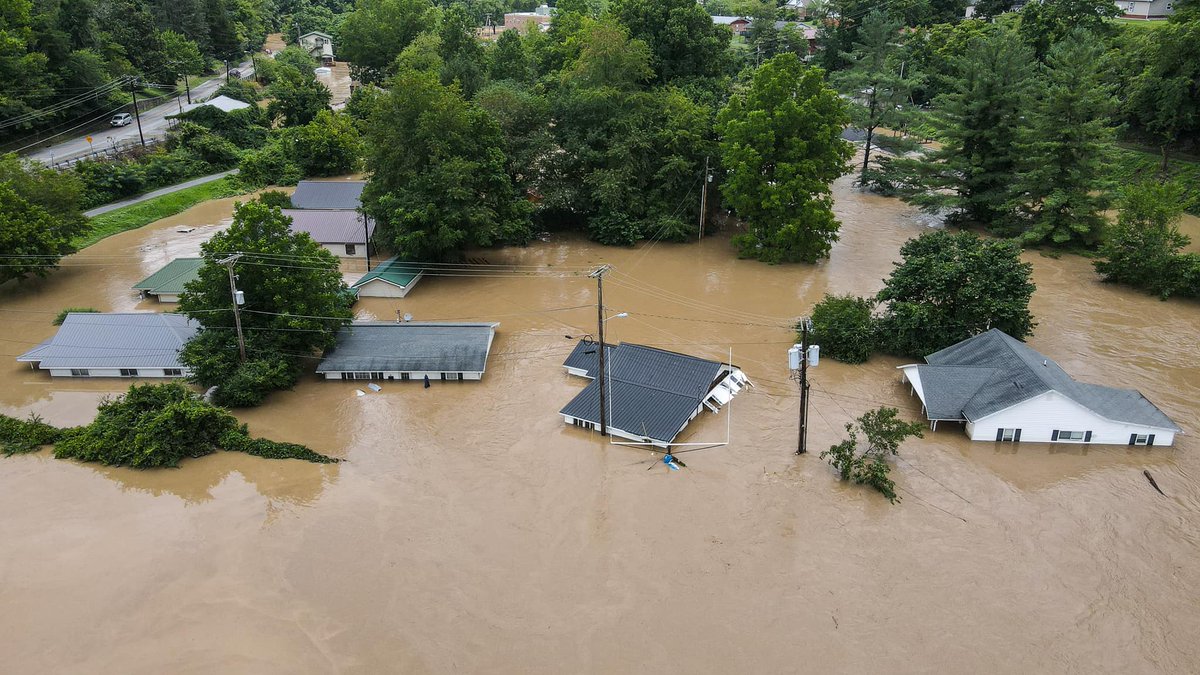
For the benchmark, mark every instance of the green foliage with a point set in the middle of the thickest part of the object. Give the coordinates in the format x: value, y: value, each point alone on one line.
x: 1143, y: 249
x: 866, y: 464
x: 377, y: 31
x: 270, y: 165
x: 1044, y: 24
x: 284, y: 303
x: 239, y: 89
x: 781, y: 145
x: 439, y: 183
x: 18, y: 437
x: 844, y: 327
x: 239, y: 440
x: 1160, y: 85
x: 462, y: 56
x: 605, y: 56
x: 524, y: 119
x: 62, y: 316
x: 508, y: 59
x: 246, y: 128
x: 40, y: 217
x: 206, y: 146
x: 297, y: 97
x: 682, y: 39
x: 143, y: 213
x: 949, y: 287
x: 276, y: 198
x: 327, y: 146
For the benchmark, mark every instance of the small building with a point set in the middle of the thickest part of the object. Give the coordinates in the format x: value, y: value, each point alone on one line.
x: 328, y: 194
x: 318, y: 45
x: 1146, y: 9
x: 409, y: 351
x: 1002, y: 390
x: 166, y: 285
x: 393, y: 278
x: 117, y: 344
x: 651, y: 394
x: 346, y: 234
x: 538, y: 19
x: 738, y: 24
x: 222, y: 103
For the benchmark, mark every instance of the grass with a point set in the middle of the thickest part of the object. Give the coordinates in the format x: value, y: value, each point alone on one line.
x: 1131, y: 166
x: 143, y: 213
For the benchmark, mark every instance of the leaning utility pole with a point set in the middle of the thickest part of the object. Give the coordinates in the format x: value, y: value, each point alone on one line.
x: 703, y: 200
x: 233, y: 292
x: 137, y: 115
x: 601, y: 374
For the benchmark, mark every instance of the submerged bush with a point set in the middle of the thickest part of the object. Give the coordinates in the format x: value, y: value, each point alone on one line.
x: 62, y: 316
x: 844, y: 327
x: 21, y: 436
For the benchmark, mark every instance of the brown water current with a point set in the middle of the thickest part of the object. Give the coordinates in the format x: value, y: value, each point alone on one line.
x: 469, y: 530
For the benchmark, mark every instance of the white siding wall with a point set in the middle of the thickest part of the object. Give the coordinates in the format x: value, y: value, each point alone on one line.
x: 414, y: 376
x: 116, y: 372
x: 360, y: 250
x: 613, y: 431
x: 1040, y: 416
x: 167, y: 297
x: 378, y: 289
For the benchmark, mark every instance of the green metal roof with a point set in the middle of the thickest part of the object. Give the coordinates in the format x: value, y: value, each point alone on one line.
x: 392, y: 271
x: 171, y: 279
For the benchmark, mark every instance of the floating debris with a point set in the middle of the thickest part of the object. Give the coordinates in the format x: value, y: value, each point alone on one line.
x: 360, y: 392
x: 374, y: 387
x: 1150, y: 478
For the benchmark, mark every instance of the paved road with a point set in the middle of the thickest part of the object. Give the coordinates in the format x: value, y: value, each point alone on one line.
x: 158, y: 193
x: 154, y: 125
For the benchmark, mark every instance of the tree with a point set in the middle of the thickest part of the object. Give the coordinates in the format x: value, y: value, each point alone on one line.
x: 1143, y: 248
x: 683, y: 40
x: 606, y: 57
x: 949, y: 287
x: 298, y: 97
x: 295, y: 301
x: 438, y: 182
x: 184, y: 57
x: 874, y: 81
x: 39, y: 218
x: 327, y: 146
x: 524, y: 119
x: 867, y: 464
x: 781, y: 145
x: 375, y: 33
x: 462, y: 55
x: 981, y: 115
x: 1163, y: 98
x: 508, y: 60
x: 844, y: 327
x: 1062, y: 185
x: 1044, y: 24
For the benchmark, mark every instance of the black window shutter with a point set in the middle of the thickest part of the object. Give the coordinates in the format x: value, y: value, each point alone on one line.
x: 1017, y: 436
x: 1054, y: 435
x: 1087, y: 437
x: 1132, y: 439
x: 999, y: 434
x: 1150, y: 440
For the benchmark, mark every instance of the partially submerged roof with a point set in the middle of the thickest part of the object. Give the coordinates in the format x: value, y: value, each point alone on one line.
x: 392, y: 271
x: 331, y: 226
x: 222, y: 102
x: 651, y: 392
x: 410, y: 347
x: 586, y: 357
x: 992, y: 371
x: 328, y: 194
x: 115, y: 340
x: 171, y: 279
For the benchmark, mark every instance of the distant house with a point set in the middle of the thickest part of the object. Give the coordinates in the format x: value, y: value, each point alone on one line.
x: 222, y: 103
x: 121, y: 344
x: 318, y: 45
x: 651, y: 393
x: 538, y: 19
x: 346, y: 234
x: 167, y: 284
x: 409, y: 351
x: 393, y: 278
x: 1141, y: 9
x: 738, y: 24
x: 328, y: 194
x: 1000, y: 389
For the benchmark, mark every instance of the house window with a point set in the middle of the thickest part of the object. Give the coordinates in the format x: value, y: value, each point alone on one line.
x: 129, y: 372
x: 1070, y: 436
x: 1008, y: 435
x: 351, y: 249
x: 405, y: 376
x: 1141, y: 439
x: 80, y: 372
x: 173, y: 372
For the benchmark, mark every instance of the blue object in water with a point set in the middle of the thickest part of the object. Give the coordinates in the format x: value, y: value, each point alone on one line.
x: 669, y: 460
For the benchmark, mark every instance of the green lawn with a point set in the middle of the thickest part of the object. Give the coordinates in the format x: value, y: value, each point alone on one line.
x: 1132, y: 165
x: 144, y: 213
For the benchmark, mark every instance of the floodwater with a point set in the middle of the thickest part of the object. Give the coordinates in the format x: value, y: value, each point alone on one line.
x: 469, y: 530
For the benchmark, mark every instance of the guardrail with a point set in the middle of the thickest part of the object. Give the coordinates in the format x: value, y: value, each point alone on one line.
x: 112, y: 151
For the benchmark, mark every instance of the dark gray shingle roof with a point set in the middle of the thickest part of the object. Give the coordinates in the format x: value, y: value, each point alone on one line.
x: 1014, y: 373
x: 651, y: 392
x: 115, y: 340
x: 415, y: 346
x: 328, y: 194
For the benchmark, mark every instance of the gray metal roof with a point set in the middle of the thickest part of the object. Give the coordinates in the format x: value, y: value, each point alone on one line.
x: 993, y: 371
x: 586, y: 357
x: 331, y: 226
x: 651, y: 392
x: 410, y: 347
x: 115, y: 340
x: 328, y: 194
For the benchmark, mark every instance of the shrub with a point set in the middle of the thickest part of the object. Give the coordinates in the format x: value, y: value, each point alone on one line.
x: 239, y: 440
x: 62, y: 316
x: 1143, y: 249
x: 276, y: 198
x: 868, y: 465
x: 269, y: 166
x: 205, y: 145
x: 240, y: 90
x: 844, y: 327
x: 327, y: 146
x: 253, y: 380
x: 22, y: 436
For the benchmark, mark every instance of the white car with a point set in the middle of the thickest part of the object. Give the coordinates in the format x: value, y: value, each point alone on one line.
x: 121, y: 120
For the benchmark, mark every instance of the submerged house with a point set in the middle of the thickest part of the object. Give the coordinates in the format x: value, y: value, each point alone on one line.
x: 1000, y: 389
x: 328, y: 194
x: 118, y: 344
x: 344, y: 233
x: 379, y: 350
x: 393, y: 278
x: 651, y: 394
x: 166, y: 285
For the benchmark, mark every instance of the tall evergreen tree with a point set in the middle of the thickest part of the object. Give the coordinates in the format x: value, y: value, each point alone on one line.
x: 1062, y: 178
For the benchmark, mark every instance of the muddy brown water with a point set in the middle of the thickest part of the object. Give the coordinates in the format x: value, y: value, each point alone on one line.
x: 469, y: 530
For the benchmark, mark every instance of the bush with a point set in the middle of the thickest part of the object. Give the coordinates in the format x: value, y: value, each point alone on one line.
x: 276, y: 198
x: 884, y: 433
x: 327, y: 146
x: 246, y: 128
x: 239, y: 89
x: 844, y: 327
x: 22, y: 436
x: 253, y: 380
x: 62, y: 316
x: 1143, y: 249
x: 269, y: 166
x: 239, y: 440
x: 204, y: 145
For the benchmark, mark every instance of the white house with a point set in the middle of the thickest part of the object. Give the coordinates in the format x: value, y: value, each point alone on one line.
x: 651, y: 394
x: 343, y: 233
x: 319, y: 45
x: 378, y: 350
x: 119, y: 344
x: 1002, y: 390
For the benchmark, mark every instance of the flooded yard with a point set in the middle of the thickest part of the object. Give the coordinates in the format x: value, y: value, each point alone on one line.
x: 470, y: 530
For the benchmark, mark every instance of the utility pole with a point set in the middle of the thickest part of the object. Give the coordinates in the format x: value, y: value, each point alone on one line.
x: 601, y: 373
x: 366, y: 240
x: 188, y: 86
x: 137, y: 115
x: 234, y: 293
x: 227, y: 70
x: 704, y: 199
x: 798, y: 358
